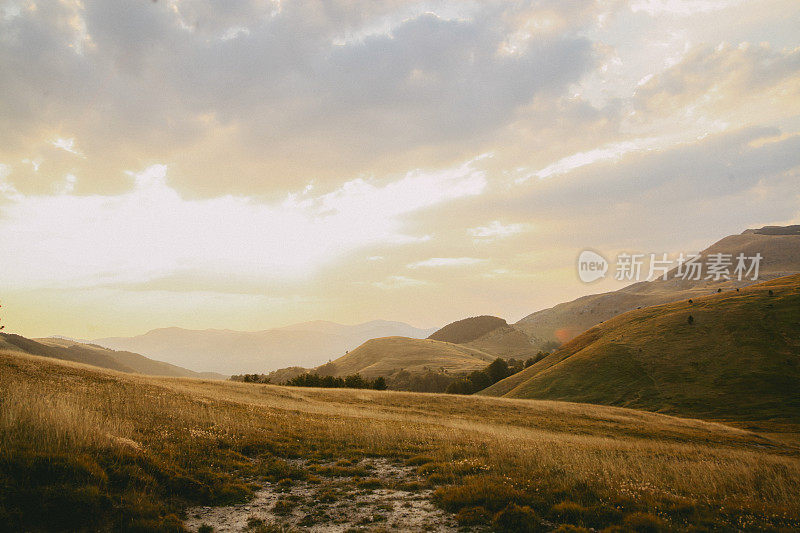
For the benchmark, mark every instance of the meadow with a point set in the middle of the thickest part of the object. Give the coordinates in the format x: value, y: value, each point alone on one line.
x: 89, y: 449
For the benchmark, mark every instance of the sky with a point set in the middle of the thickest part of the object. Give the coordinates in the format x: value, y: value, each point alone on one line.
x: 243, y: 165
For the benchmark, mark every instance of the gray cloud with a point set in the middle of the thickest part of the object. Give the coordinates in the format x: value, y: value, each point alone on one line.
x: 246, y: 97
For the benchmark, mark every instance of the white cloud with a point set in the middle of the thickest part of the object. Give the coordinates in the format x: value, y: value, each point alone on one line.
x: 152, y: 232
x: 446, y: 262
x: 68, y: 145
x: 495, y: 229
x: 680, y: 7
x: 608, y: 152
x: 398, y: 282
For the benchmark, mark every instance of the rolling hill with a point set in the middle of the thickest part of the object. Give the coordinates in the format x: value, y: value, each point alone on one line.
x: 231, y: 352
x: 468, y: 329
x: 488, y: 334
x: 779, y: 247
x: 388, y: 355
x: 91, y: 354
x: 737, y: 358
x: 454, y: 350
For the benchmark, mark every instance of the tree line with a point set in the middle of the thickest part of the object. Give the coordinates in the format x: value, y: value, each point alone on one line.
x: 497, y: 370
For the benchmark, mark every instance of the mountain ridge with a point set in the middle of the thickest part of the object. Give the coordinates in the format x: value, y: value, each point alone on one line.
x: 779, y: 247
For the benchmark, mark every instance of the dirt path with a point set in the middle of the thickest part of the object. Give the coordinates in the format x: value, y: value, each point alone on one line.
x: 391, y: 498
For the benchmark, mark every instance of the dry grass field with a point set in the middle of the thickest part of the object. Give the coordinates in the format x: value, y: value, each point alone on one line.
x: 89, y: 449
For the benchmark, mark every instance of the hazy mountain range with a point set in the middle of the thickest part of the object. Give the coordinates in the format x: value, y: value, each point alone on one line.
x: 92, y: 354
x: 307, y: 344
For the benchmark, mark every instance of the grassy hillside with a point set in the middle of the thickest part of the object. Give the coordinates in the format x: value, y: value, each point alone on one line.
x: 505, y: 342
x: 89, y: 449
x: 779, y: 247
x: 387, y: 355
x: 738, y: 360
x: 488, y: 334
x: 94, y: 355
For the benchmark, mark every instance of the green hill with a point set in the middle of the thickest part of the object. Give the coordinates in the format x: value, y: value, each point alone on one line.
x: 778, y: 246
x: 738, y: 359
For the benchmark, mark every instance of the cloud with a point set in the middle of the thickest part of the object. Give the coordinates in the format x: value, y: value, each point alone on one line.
x: 258, y: 157
x: 152, y: 232
x: 434, y: 262
x: 398, y: 282
x: 680, y: 7
x: 720, y: 78
x: 495, y: 229
x: 252, y: 97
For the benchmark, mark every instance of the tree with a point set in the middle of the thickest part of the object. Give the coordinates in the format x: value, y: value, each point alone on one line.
x: 690, y: 320
x: 355, y: 381
x: 460, y: 386
x: 480, y: 379
x: 379, y: 383
x: 498, y: 370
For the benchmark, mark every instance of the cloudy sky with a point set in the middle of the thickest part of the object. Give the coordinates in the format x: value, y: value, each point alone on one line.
x: 246, y: 164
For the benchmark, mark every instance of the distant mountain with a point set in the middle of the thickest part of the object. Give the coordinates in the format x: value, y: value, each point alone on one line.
x: 778, y: 246
x: 732, y: 355
x: 236, y: 352
x: 389, y: 355
x: 91, y: 354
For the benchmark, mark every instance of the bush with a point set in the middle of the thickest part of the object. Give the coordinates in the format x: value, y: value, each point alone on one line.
x: 570, y: 512
x: 517, y: 519
x: 568, y: 528
x: 473, y: 516
x: 644, y: 523
x: 478, y: 492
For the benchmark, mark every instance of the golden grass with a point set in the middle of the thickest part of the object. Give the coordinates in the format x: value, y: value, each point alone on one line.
x: 486, y: 453
x: 387, y: 355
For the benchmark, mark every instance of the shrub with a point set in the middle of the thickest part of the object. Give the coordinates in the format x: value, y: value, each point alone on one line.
x: 473, y: 516
x: 569, y: 528
x: 478, y: 492
x: 517, y: 519
x: 644, y: 523
x: 370, y: 483
x: 283, y: 506
x: 418, y: 460
x: 571, y: 512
